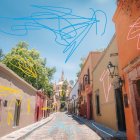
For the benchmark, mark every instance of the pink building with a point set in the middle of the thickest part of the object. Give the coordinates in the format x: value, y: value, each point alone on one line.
x: 17, y: 101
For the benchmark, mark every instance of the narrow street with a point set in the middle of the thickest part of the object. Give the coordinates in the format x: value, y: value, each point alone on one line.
x: 63, y: 127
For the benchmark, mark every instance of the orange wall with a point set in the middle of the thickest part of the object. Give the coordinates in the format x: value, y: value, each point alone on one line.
x: 128, y: 50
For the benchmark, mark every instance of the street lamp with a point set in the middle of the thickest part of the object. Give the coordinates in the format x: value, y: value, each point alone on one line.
x: 111, y: 69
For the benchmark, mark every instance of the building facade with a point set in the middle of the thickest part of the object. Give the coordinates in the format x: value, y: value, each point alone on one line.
x: 41, y: 105
x: 17, y: 101
x: 107, y: 95
x: 73, y: 99
x: 57, y: 89
x: 127, y: 23
x: 85, y: 80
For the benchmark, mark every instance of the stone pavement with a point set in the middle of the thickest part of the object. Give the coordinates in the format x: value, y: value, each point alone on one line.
x: 105, y: 132
x: 23, y: 132
x: 63, y: 127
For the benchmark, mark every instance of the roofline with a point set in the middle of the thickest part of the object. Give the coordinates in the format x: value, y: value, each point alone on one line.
x: 92, y: 52
x: 117, y: 12
x: 74, y: 85
x: 109, y: 45
x: 5, y: 68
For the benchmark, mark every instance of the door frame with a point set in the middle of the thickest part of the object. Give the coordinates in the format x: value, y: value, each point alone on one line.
x: 17, y: 112
x: 134, y: 108
x: 133, y: 74
x: 89, y: 106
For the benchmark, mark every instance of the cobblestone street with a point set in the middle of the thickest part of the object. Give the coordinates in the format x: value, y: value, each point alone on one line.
x: 63, y: 127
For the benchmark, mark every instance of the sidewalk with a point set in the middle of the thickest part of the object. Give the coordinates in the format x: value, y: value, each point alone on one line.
x: 105, y: 132
x: 23, y: 132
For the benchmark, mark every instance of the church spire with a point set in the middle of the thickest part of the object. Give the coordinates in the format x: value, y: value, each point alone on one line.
x: 62, y: 76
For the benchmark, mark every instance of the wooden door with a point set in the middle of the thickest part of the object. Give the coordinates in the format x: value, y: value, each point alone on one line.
x: 136, y: 89
x: 17, y: 112
x: 120, y: 110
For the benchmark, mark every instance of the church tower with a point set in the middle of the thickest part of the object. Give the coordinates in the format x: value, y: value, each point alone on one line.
x: 62, y: 76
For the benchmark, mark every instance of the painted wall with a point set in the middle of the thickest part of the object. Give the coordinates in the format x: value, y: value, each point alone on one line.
x: 27, y: 96
x: 103, y: 82
x: 127, y: 23
x: 74, y: 91
x: 73, y: 98
x: 40, y: 104
x: 90, y: 63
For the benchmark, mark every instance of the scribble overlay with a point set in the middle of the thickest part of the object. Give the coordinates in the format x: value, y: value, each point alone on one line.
x: 69, y: 29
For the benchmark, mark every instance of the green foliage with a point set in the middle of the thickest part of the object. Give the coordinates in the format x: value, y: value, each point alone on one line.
x: 31, y: 67
x: 64, y: 90
x: 63, y: 95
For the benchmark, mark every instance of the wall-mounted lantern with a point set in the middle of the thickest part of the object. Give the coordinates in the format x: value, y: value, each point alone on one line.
x: 112, y: 68
x: 112, y: 72
x: 120, y: 81
x: 86, y: 78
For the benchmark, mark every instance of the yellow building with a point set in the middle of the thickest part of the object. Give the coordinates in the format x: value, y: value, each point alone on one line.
x: 107, y: 94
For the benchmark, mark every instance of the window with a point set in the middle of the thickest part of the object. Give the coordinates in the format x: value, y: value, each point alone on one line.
x: 138, y: 86
x: 86, y: 79
x: 83, y: 83
x: 98, y: 103
x: 5, y: 103
x: 0, y: 103
x: 88, y: 76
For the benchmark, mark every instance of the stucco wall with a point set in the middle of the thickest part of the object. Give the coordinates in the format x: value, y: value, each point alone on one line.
x: 127, y: 34
x: 107, y: 104
x: 26, y: 95
x: 90, y: 63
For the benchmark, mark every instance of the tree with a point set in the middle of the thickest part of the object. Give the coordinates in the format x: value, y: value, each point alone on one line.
x: 30, y: 66
x: 63, y: 93
x: 1, y: 55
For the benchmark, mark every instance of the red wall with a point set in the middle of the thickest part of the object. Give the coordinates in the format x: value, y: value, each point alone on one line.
x: 40, y: 100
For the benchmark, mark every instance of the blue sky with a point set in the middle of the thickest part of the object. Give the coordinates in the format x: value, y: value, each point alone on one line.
x: 43, y: 39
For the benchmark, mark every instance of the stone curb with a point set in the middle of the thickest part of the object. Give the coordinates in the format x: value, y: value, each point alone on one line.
x: 99, y: 132
x: 25, y: 131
